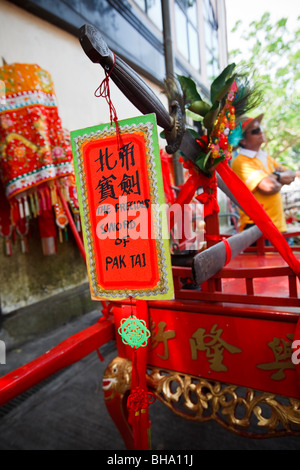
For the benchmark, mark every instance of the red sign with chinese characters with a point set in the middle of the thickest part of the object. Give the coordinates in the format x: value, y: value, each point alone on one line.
x: 119, y: 181
x: 249, y: 352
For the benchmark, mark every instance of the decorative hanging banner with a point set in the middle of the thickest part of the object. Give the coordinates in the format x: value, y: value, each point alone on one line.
x: 35, y: 156
x: 122, y: 207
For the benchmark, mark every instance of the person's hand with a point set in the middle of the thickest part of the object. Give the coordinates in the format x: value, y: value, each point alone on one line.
x: 269, y: 185
x: 287, y: 176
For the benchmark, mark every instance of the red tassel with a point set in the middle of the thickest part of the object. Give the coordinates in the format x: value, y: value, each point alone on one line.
x: 140, y: 398
x: 47, y: 230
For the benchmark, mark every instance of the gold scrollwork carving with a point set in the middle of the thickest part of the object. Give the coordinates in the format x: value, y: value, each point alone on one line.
x: 243, y: 411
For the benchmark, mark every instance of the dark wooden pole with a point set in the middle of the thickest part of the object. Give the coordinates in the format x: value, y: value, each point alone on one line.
x: 207, y: 263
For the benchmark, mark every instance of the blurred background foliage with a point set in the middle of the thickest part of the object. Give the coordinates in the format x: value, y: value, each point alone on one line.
x: 271, y: 54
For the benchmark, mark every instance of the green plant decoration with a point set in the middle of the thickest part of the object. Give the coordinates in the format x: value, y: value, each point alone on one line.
x: 231, y: 96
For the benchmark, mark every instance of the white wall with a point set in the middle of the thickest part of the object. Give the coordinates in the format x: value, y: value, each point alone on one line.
x: 25, y: 38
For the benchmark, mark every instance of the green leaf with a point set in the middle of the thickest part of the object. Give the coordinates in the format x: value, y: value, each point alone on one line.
x: 192, y: 132
x: 194, y: 116
x: 225, y: 89
x: 207, y: 158
x: 282, y: 22
x: 218, y: 160
x: 199, y: 107
x: 220, y: 82
x: 211, y: 116
x: 202, y: 160
x: 189, y: 88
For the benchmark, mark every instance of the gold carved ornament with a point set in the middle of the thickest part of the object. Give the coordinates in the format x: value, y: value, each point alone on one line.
x: 244, y: 411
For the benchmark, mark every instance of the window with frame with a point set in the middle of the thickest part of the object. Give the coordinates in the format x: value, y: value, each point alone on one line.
x: 152, y: 8
x: 186, y: 27
x: 211, y: 40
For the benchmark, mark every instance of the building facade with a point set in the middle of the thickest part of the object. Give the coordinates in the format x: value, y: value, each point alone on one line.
x: 142, y: 32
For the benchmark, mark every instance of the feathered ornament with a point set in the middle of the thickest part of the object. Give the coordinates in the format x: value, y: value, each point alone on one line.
x: 235, y: 136
x: 248, y: 95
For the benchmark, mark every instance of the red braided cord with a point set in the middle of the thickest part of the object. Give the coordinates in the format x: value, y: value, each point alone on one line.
x: 103, y: 91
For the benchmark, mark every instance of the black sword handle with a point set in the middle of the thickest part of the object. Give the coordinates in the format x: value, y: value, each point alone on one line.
x: 126, y: 79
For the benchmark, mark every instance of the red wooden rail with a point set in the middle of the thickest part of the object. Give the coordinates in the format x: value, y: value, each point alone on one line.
x: 212, y: 289
x: 66, y: 353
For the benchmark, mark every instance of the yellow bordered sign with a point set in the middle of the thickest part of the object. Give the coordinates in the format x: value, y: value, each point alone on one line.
x: 123, y: 211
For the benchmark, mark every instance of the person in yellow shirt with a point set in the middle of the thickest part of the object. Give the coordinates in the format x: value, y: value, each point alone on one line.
x: 263, y: 176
